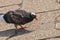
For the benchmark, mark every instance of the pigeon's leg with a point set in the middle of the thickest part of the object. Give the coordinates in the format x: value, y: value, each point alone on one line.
x: 16, y: 30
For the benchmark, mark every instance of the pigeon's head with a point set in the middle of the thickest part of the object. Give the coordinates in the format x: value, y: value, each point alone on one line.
x: 33, y: 15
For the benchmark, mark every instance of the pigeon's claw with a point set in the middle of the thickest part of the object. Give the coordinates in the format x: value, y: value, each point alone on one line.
x: 23, y: 27
x: 17, y: 30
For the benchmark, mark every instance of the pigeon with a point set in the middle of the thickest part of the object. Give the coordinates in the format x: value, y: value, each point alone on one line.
x: 18, y: 17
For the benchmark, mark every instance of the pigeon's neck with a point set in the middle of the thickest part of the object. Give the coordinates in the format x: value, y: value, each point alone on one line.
x: 1, y: 18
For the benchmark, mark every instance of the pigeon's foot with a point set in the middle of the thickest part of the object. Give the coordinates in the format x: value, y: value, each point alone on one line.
x: 23, y: 27
x: 17, y: 30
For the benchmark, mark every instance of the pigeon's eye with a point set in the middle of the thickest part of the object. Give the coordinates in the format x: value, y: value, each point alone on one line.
x: 34, y: 16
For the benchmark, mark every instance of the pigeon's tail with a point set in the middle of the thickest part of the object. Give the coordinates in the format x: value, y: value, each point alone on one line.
x: 1, y: 17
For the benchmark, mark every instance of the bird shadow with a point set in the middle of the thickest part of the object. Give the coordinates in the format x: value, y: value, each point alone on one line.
x: 11, y: 33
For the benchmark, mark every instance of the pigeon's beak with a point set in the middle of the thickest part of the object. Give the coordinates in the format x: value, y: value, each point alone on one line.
x: 36, y: 18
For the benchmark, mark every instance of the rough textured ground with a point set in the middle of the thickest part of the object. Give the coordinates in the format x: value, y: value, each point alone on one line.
x: 45, y: 27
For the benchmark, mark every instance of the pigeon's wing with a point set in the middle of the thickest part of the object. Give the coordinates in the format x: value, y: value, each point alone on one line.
x: 17, y: 18
x: 23, y: 13
x: 20, y: 16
